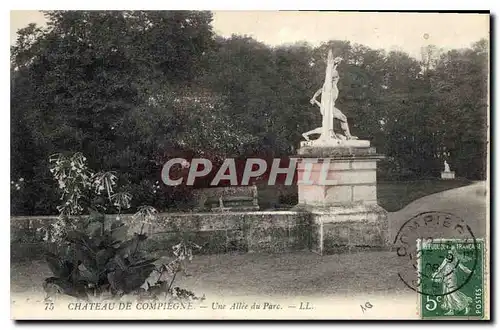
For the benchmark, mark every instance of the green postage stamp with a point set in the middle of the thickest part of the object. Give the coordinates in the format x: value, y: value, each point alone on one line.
x: 451, y: 277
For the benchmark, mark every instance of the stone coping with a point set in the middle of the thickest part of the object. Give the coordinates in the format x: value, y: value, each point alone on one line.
x: 321, y: 158
x: 164, y: 214
x: 346, y: 208
x: 335, y: 143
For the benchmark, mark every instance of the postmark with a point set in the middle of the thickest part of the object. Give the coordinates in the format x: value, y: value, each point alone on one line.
x: 428, y: 227
x: 454, y: 280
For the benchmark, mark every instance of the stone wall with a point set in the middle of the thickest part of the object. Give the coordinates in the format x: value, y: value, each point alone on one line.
x: 273, y: 231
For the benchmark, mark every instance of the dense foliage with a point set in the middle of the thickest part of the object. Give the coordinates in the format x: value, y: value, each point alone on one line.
x: 99, y: 261
x: 130, y: 89
x: 96, y: 257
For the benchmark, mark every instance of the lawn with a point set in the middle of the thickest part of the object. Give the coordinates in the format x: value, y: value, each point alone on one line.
x: 335, y: 286
x: 300, y: 273
x: 394, y: 195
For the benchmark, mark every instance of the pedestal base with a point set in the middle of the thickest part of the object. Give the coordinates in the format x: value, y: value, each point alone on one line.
x: 337, y: 186
x: 348, y: 228
x: 448, y: 175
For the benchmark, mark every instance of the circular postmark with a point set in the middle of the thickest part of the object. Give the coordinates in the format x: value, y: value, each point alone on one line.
x: 440, y: 250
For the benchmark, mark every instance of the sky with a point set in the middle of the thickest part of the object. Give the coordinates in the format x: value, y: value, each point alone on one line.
x: 389, y: 31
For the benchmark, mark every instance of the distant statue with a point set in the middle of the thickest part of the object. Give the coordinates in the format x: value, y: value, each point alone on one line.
x: 329, y: 94
x: 446, y: 166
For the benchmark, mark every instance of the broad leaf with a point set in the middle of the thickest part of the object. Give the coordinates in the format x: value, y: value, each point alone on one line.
x: 60, y: 268
x: 128, y: 280
x: 103, y: 257
x: 88, y: 275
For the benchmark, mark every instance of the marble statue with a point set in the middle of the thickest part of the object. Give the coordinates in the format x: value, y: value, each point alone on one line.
x: 446, y: 166
x: 447, y: 174
x: 329, y: 94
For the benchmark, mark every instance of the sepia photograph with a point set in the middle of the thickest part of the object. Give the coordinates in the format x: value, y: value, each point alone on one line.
x: 249, y: 165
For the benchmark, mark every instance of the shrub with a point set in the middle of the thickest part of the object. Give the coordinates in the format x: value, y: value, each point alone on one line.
x: 95, y: 258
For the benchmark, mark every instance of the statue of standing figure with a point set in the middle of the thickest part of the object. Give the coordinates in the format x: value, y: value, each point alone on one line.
x: 446, y: 166
x: 329, y: 94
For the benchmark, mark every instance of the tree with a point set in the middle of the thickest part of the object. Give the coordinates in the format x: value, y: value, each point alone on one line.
x: 82, y: 81
x: 460, y: 87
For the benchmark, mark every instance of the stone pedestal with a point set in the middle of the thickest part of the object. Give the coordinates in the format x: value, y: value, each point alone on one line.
x: 337, y: 185
x: 448, y: 175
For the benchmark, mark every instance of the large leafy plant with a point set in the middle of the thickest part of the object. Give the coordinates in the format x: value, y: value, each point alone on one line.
x: 96, y: 258
x: 99, y: 260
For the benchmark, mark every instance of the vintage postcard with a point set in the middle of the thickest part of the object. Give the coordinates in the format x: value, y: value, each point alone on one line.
x: 250, y: 165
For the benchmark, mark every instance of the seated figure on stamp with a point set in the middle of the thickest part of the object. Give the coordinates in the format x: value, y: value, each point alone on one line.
x: 329, y: 94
